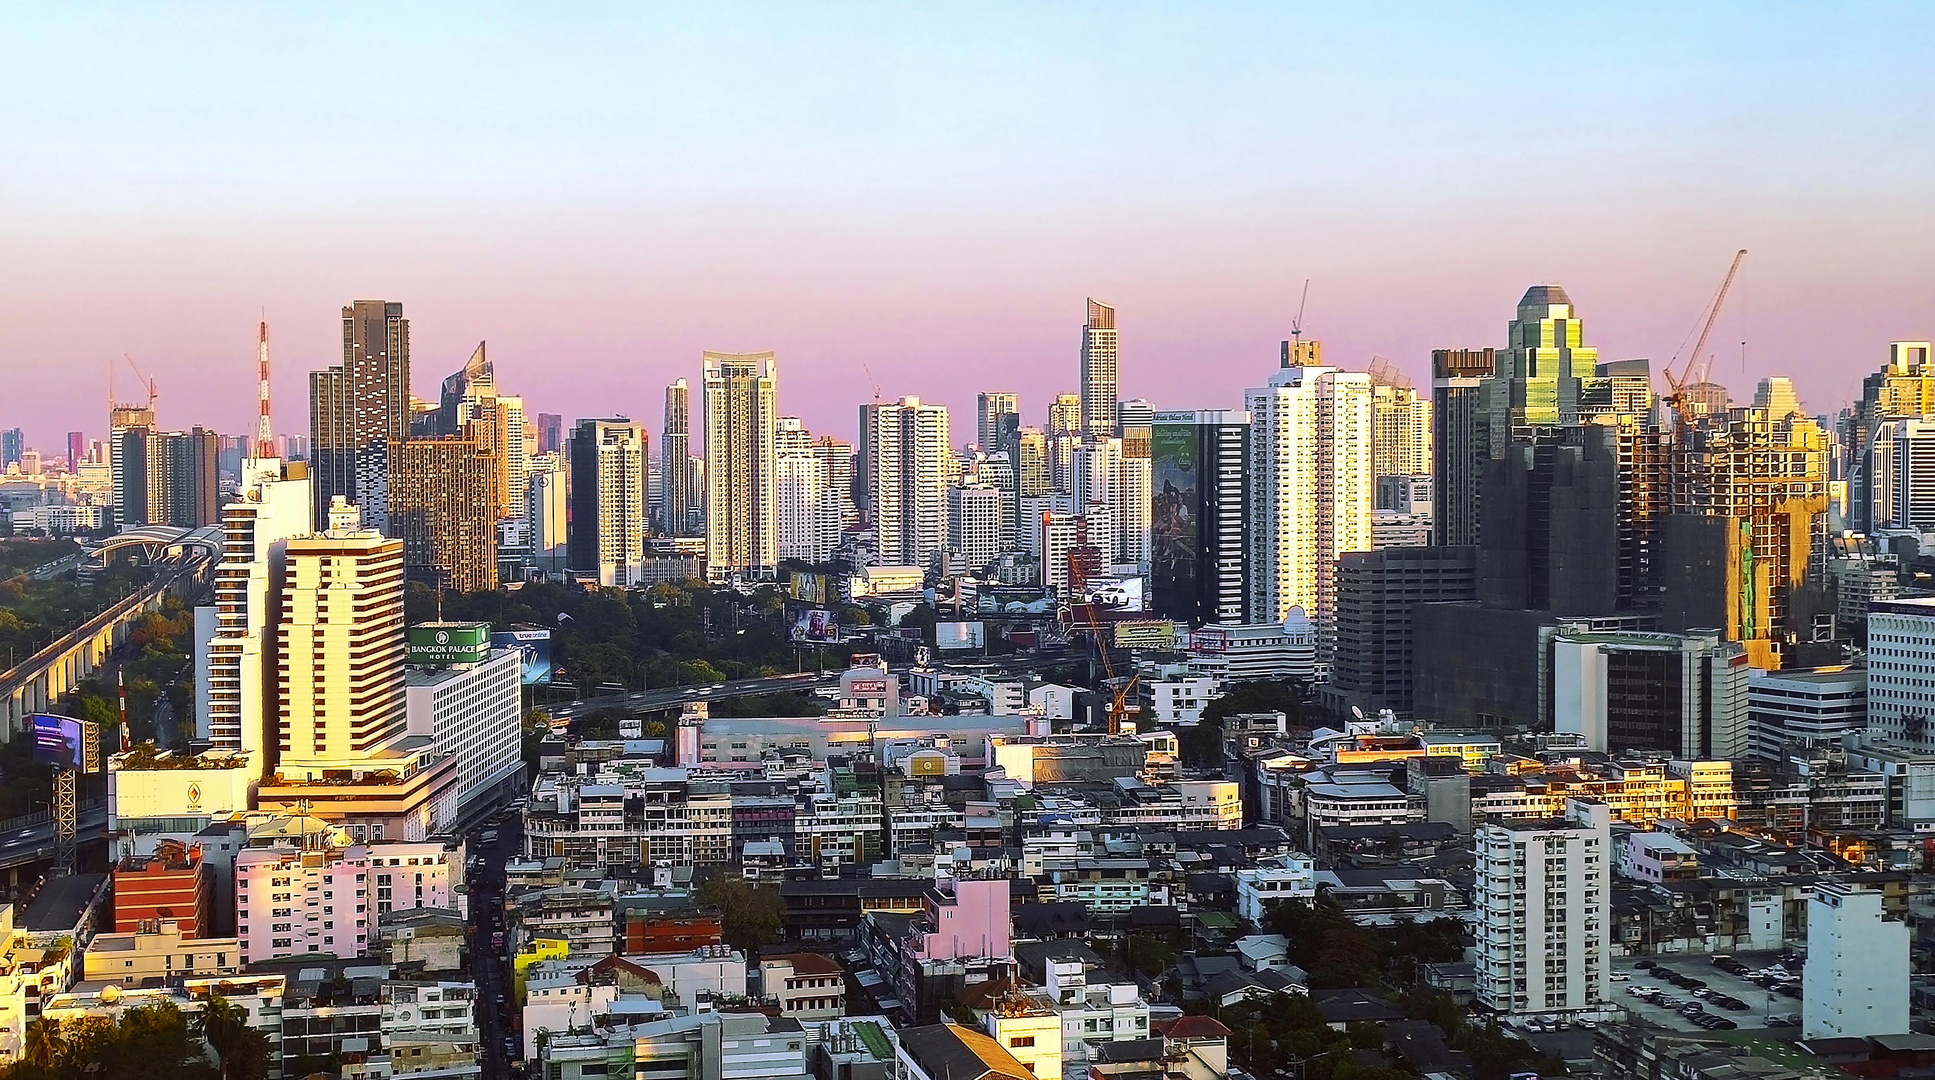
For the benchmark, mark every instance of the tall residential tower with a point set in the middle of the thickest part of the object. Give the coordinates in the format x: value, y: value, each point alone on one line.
x: 741, y: 511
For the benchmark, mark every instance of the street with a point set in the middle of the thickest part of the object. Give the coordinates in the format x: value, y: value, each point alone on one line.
x: 499, y: 1049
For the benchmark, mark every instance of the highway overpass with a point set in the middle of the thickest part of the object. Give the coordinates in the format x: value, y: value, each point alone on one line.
x: 673, y: 697
x: 41, y: 680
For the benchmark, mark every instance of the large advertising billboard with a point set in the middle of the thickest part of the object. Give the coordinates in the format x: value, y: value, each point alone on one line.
x: 960, y: 635
x: 816, y: 626
x: 809, y: 588
x: 449, y: 643
x: 1145, y: 634
x: 534, y: 644
x: 1175, y: 479
x: 64, y: 742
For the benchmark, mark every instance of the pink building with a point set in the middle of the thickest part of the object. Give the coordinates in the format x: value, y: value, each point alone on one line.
x: 324, y: 901
x: 964, y: 918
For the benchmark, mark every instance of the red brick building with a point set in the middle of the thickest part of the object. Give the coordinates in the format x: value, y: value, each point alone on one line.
x: 170, y: 884
x: 646, y: 927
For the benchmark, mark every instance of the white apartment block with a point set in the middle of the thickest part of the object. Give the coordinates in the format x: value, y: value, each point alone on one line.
x: 1286, y: 877
x: 1310, y: 477
x: 472, y: 711
x: 1901, y: 671
x: 1103, y: 473
x: 811, y: 509
x: 1544, y: 913
x: 1856, y: 979
x: 239, y: 656
x: 1062, y: 532
x: 976, y: 525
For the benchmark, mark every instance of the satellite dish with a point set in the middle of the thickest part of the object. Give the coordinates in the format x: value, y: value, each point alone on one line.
x: 1357, y: 712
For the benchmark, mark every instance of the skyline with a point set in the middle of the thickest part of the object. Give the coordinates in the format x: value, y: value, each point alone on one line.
x: 862, y: 194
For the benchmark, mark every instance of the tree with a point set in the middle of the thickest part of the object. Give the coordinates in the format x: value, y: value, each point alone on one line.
x: 242, y: 1051
x: 752, y: 916
x: 44, y: 1045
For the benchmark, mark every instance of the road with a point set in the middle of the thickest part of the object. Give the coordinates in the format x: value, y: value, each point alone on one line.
x: 646, y: 700
x: 500, y: 1051
x: 37, y: 841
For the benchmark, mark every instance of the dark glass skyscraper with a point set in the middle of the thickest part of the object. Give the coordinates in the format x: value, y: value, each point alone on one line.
x: 358, y: 408
x: 1199, y: 560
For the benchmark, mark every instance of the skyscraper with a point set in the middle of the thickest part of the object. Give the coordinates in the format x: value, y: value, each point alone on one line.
x: 444, y: 507
x: 1105, y: 473
x: 837, y: 455
x: 1199, y: 544
x: 990, y: 408
x: 1311, y: 489
x: 675, y: 453
x: 359, y: 407
x: 76, y: 450
x: 606, y: 539
x: 13, y: 443
x: 1903, y: 389
x: 239, y: 646
x: 975, y: 521
x: 904, y: 455
x: 190, y: 488
x: 550, y: 432
x: 810, y: 507
x: 128, y: 481
x: 1400, y: 428
x: 462, y: 389
x: 1032, y: 476
x: 741, y: 513
x: 1540, y: 369
x: 341, y: 652
x: 1099, y: 354
x: 1065, y: 415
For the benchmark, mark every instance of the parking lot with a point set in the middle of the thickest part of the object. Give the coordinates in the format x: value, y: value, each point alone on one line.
x: 1762, y: 1007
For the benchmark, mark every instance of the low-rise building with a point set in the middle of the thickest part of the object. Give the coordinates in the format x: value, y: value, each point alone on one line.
x: 1855, y: 981
x: 805, y: 986
x: 151, y: 957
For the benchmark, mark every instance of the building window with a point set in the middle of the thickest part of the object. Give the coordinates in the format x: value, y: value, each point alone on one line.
x: 1022, y: 1040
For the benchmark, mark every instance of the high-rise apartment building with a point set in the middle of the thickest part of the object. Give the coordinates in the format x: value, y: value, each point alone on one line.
x: 606, y: 540
x: 1310, y: 489
x: 1901, y: 472
x: 741, y: 514
x: 1544, y: 922
x: 549, y: 429
x: 1075, y: 546
x: 237, y: 646
x: 990, y: 407
x: 13, y: 444
x: 1104, y: 473
x: 190, y: 489
x: 837, y: 456
x: 498, y: 425
x: 129, y: 430
x: 1617, y: 387
x: 1065, y: 415
x: 1540, y: 370
x: 1903, y: 389
x: 975, y: 516
x: 358, y: 408
x: 1901, y: 653
x: 341, y: 653
x: 1460, y: 440
x: 903, y: 469
x: 675, y: 453
x: 1199, y: 542
x: 1099, y: 355
x: 1032, y: 474
x: 1400, y: 429
x: 546, y: 507
x: 810, y: 507
x: 444, y: 507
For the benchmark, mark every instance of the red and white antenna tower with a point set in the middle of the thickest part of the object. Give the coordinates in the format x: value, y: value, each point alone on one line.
x: 264, y: 431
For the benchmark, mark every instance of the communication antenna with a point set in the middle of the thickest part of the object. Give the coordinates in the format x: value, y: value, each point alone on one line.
x: 264, y: 431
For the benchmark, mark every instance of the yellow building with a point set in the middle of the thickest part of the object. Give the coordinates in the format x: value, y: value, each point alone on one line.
x: 342, y: 652
x: 1029, y: 1027
x: 132, y: 959
x: 534, y: 952
x: 1637, y: 792
x: 445, y: 498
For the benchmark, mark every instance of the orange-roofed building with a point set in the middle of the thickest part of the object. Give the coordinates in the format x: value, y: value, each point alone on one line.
x: 171, y: 884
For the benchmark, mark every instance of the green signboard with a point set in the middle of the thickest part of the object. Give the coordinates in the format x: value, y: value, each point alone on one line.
x: 449, y: 642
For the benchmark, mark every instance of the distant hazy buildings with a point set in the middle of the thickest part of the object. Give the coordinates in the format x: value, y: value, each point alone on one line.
x: 996, y: 415
x: 606, y: 539
x: 741, y: 513
x: 1400, y: 428
x: 358, y: 408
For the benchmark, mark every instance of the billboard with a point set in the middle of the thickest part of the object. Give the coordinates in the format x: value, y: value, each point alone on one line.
x: 960, y: 635
x: 816, y: 626
x: 1207, y: 640
x: 1145, y: 634
x: 534, y: 644
x: 449, y: 643
x: 809, y: 588
x: 1175, y: 499
x: 66, y: 743
x: 867, y: 688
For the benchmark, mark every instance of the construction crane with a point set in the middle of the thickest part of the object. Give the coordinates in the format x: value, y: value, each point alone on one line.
x: 873, y: 381
x: 1696, y: 370
x: 153, y: 388
x: 1293, y: 349
x: 1119, y: 702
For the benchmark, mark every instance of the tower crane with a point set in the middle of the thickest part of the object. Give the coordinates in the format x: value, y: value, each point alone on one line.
x: 1119, y: 701
x: 1696, y: 370
x: 153, y: 388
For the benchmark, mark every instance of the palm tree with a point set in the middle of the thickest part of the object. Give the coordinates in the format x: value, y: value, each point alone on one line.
x: 44, y: 1046
x: 226, y: 1027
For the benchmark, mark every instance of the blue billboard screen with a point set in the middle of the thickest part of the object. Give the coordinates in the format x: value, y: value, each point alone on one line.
x: 60, y: 741
x: 534, y: 644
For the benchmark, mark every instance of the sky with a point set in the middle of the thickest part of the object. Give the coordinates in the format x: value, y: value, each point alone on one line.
x: 919, y: 197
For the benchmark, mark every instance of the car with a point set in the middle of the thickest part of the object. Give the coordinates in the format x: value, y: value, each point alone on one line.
x: 1691, y: 1008
x: 1645, y: 965
x: 1692, y: 983
x: 1619, y: 976
x: 1702, y: 992
x: 1789, y: 991
x: 1721, y: 1023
